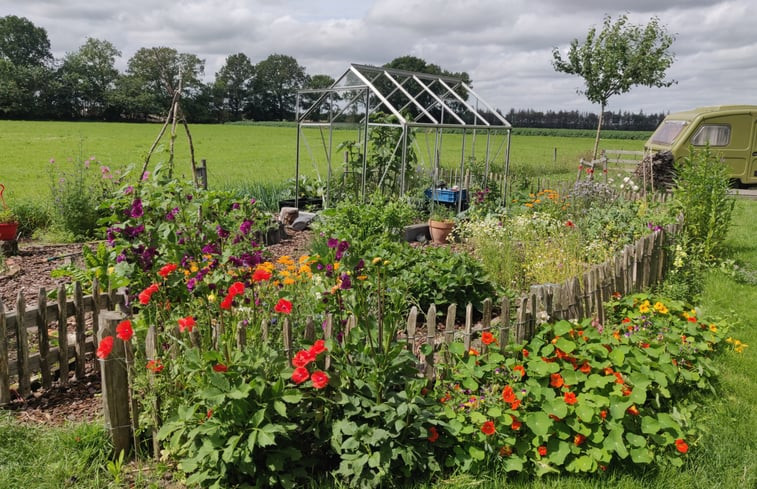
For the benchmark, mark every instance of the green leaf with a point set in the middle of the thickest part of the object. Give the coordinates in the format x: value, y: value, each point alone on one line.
x: 556, y: 407
x: 514, y: 464
x: 476, y: 453
x: 641, y: 455
x: 617, y: 357
x: 649, y: 425
x: 583, y: 463
x: 562, y: 327
x: 596, y: 381
x: 538, y: 422
x: 558, y: 456
x: 470, y: 384
x: 584, y: 411
x: 280, y: 408
x: 614, y: 442
x: 457, y: 348
x: 636, y: 440
x: 565, y: 345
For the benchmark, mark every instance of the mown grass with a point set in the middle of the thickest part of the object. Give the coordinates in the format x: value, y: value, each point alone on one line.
x: 249, y: 154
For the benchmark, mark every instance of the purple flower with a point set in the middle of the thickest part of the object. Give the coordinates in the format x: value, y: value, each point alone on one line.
x: 346, y: 282
x: 210, y: 249
x: 171, y: 215
x: 191, y: 283
x: 252, y: 201
x: 134, y: 231
x: 121, y: 257
x: 145, y: 175
x: 221, y: 232
x: 235, y: 206
x: 343, y: 245
x: 129, y: 190
x: 332, y: 243
x: 245, y: 227
x: 136, y: 210
x: 189, y: 198
x: 360, y: 265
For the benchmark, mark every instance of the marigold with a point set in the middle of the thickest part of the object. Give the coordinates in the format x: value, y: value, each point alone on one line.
x: 488, y: 428
x: 319, y: 379
x: 300, y: 375
x: 124, y: 330
x: 105, y: 347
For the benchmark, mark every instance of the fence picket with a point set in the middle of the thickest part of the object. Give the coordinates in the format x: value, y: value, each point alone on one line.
x: 81, y: 334
x: 5, y: 392
x: 44, y: 341
x: 62, y: 336
x: 22, y: 348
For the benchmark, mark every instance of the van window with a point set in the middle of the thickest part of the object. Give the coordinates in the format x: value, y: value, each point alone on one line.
x: 712, y: 134
x: 667, y: 132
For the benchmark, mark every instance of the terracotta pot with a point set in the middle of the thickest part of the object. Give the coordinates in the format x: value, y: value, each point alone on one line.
x: 8, y: 231
x: 440, y: 230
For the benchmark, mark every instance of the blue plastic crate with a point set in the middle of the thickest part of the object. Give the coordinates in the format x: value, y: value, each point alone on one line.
x: 446, y: 195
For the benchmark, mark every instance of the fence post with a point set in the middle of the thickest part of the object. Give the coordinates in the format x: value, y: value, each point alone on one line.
x: 63, y: 335
x: 81, y: 334
x: 115, y: 384
x: 44, y: 342
x: 5, y: 393
x: 24, y: 378
x: 430, y: 339
x: 504, y: 324
x: 151, y: 353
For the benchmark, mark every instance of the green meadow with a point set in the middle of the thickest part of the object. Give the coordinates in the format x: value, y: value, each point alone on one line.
x: 246, y: 154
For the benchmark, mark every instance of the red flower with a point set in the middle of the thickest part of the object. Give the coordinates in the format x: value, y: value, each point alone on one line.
x: 433, y: 434
x: 619, y: 378
x: 226, y: 302
x: 105, y: 347
x: 603, y: 414
x: 166, y: 270
x: 626, y: 320
x: 585, y: 368
x: 519, y: 368
x: 682, y: 446
x: 302, y: 358
x: 261, y: 275
x: 124, y: 330
x: 616, y: 295
x: 570, y: 398
x: 633, y: 410
x: 542, y: 450
x: 569, y: 223
x: 473, y: 352
x: 145, y: 295
x: 516, y: 425
x: 154, y: 366
x: 525, y: 353
x: 283, y: 306
x: 487, y: 338
x: 209, y: 414
x: 187, y: 323
x: 236, y: 288
x: 556, y: 381
x: 219, y: 367
x: 579, y: 439
x: 508, y: 395
x: 318, y: 347
x: 627, y: 392
x: 488, y: 428
x: 319, y: 379
x: 300, y: 375
x: 691, y: 319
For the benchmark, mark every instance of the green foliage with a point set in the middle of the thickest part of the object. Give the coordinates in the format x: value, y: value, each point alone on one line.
x: 31, y: 215
x: 580, y: 397
x: 701, y: 193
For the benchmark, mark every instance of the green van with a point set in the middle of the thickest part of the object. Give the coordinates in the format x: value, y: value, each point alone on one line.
x: 730, y: 130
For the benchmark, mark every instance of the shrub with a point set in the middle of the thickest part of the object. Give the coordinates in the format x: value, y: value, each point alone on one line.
x: 31, y: 216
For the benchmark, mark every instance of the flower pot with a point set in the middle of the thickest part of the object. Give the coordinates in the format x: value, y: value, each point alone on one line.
x: 8, y: 231
x: 440, y: 230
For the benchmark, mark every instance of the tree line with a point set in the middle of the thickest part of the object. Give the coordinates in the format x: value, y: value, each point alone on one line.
x: 86, y: 85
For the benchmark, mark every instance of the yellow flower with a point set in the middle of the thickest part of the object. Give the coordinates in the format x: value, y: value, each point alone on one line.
x: 729, y: 340
x: 362, y: 277
x: 713, y: 328
x: 376, y: 260
x: 111, y: 270
x: 660, y: 307
x: 644, y: 307
x: 285, y: 260
x: 211, y: 297
x: 193, y: 267
x: 288, y: 281
x: 336, y: 266
x: 386, y: 262
x: 740, y: 348
x: 303, y: 259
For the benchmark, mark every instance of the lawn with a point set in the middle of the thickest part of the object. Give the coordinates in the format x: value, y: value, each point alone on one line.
x: 240, y: 154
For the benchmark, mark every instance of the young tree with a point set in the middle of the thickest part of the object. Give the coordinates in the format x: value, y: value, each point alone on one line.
x: 617, y: 58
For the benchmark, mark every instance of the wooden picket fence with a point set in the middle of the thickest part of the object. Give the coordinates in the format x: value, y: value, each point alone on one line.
x: 29, y: 358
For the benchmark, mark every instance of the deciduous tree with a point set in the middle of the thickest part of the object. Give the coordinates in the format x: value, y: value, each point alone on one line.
x: 617, y: 58
x: 277, y: 79
x: 233, y: 84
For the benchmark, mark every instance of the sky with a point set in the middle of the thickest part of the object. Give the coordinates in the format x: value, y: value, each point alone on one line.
x: 504, y: 45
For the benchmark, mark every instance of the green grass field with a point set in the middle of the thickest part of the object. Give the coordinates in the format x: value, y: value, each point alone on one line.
x: 245, y: 154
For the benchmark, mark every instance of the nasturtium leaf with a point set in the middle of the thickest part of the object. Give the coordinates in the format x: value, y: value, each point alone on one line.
x: 636, y: 440
x: 543, y: 468
x: 514, y: 464
x: 569, y: 376
x: 641, y: 455
x: 494, y: 412
x: 476, y: 453
x: 617, y: 357
x: 477, y: 417
x: 556, y: 407
x: 649, y: 425
x: 470, y: 384
x: 495, y: 358
x: 614, y: 442
x: 583, y: 463
x: 562, y: 328
x: 584, y: 411
x: 618, y: 406
x: 547, y: 350
x: 557, y: 456
x: 538, y: 422
x: 565, y: 345
x: 457, y: 348
x: 596, y: 381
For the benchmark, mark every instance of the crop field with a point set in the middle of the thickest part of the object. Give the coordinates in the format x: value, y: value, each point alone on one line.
x: 245, y: 154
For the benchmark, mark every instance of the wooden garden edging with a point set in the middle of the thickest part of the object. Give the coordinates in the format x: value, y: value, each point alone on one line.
x: 28, y: 369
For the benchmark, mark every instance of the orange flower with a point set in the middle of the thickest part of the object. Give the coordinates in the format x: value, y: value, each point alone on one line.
x: 433, y: 434
x: 166, y: 270
x: 524, y: 352
x: 682, y: 446
x: 487, y: 338
x: 508, y: 395
x: 488, y: 428
x: 154, y: 366
x: 627, y: 392
x: 570, y: 398
x: 579, y: 439
x: 519, y: 368
x: 505, y: 451
x: 105, y: 347
x: 542, y: 450
x: 556, y: 381
x: 619, y: 378
x: 473, y: 352
x: 585, y: 368
x: 603, y: 414
x: 633, y: 410
x: 516, y: 425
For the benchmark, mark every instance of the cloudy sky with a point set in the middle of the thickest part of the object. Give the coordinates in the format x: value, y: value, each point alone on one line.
x: 505, y: 45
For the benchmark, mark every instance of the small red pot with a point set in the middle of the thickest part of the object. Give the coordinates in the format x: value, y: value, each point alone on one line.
x: 8, y: 231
